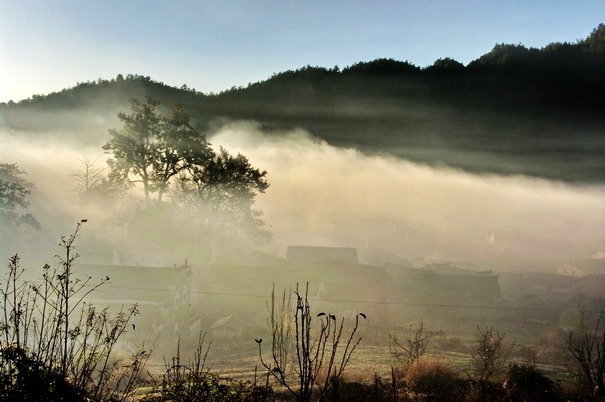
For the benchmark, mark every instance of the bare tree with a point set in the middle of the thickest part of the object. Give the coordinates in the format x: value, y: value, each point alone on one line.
x: 487, y: 358
x: 95, y: 184
x: 88, y: 177
x: 318, y: 361
x: 412, y: 348
x: 587, y: 348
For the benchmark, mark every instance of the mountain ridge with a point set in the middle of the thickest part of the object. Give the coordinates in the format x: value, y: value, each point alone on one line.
x: 514, y: 110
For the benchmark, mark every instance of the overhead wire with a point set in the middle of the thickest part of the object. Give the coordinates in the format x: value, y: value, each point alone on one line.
x: 375, y: 302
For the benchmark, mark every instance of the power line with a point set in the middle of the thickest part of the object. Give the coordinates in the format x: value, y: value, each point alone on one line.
x: 374, y: 302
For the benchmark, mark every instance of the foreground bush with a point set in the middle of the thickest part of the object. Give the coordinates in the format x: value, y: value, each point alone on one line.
x: 378, y: 390
x: 25, y: 379
x: 524, y: 382
x: 586, y: 347
x: 210, y: 388
x: 194, y: 382
x: 321, y: 351
x: 430, y: 380
x: 55, y: 346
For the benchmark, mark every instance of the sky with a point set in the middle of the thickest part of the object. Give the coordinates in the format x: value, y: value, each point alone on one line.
x: 213, y: 45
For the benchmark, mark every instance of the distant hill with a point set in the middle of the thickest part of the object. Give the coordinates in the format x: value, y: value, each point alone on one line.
x: 514, y: 110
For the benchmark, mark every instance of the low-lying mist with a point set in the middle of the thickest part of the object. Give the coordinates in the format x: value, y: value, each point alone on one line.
x: 390, y: 209
x: 322, y: 195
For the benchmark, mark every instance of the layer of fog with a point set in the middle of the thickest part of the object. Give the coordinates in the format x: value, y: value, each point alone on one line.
x: 390, y: 209
x: 322, y: 195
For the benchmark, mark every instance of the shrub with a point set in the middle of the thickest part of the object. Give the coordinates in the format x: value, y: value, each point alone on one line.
x: 487, y: 364
x: 210, y: 388
x: 487, y: 356
x: 412, y: 347
x: 321, y: 352
x: 377, y: 390
x: 55, y: 345
x: 526, y: 382
x: 195, y: 382
x: 586, y: 347
x: 430, y: 380
x: 26, y: 379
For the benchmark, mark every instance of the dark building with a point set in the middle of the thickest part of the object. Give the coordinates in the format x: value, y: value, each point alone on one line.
x: 311, y: 254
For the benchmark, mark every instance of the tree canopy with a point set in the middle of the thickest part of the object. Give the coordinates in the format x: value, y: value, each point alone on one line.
x: 15, y: 192
x: 153, y: 147
x: 167, y: 155
x: 222, y: 192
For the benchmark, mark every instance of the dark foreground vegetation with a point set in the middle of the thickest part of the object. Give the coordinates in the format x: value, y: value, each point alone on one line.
x: 514, y: 110
x: 58, y: 347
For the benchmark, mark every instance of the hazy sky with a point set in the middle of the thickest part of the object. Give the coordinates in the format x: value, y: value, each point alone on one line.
x: 212, y: 45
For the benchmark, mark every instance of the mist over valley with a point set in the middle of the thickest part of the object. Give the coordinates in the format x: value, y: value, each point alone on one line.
x: 458, y: 196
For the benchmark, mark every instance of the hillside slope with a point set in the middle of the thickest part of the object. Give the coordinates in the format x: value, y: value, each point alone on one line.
x: 514, y: 110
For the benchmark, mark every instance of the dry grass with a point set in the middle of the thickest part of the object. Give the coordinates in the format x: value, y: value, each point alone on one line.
x: 429, y: 373
x: 448, y: 357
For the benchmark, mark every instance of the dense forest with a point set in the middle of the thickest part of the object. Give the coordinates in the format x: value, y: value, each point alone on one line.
x: 514, y: 110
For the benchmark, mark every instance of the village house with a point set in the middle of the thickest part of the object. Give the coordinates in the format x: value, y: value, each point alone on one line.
x: 444, y: 292
x: 143, y: 276
x: 337, y: 283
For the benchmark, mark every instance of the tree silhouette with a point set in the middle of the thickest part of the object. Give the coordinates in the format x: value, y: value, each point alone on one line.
x: 222, y: 192
x: 154, y: 148
x: 15, y: 192
x: 166, y: 154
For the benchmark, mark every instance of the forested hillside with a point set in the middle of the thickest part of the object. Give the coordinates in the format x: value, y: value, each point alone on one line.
x: 514, y: 110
